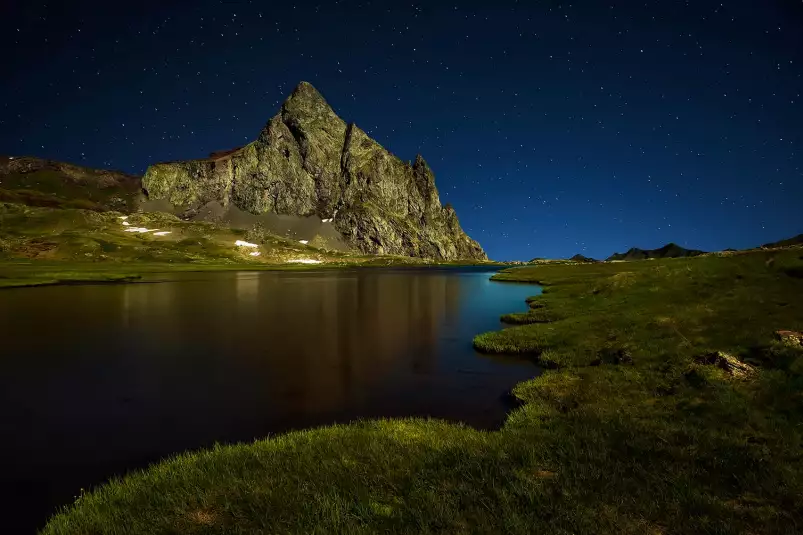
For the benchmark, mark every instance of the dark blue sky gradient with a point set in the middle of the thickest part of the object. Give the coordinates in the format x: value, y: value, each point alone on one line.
x: 553, y: 128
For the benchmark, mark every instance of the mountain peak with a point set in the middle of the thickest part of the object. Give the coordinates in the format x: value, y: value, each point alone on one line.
x: 308, y: 162
x: 305, y: 95
x: 306, y: 89
x: 305, y: 104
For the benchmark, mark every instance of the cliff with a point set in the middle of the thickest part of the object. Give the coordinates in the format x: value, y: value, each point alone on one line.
x: 308, y: 162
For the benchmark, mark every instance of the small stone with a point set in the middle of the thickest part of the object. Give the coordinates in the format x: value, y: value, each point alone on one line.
x: 729, y: 363
x: 790, y: 338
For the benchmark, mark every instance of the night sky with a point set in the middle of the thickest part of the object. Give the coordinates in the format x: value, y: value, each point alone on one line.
x: 553, y: 128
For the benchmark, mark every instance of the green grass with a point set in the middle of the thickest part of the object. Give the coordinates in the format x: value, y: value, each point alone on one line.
x: 536, y: 314
x: 631, y: 432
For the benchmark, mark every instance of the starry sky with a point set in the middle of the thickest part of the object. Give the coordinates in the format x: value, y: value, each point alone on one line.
x: 554, y: 128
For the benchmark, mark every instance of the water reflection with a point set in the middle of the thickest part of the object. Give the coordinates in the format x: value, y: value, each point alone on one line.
x: 96, y: 380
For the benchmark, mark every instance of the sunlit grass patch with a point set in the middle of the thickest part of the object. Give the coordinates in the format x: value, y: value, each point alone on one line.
x: 514, y: 340
x: 535, y: 315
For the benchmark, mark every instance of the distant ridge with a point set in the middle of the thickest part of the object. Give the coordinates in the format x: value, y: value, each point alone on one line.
x: 796, y: 240
x: 584, y: 259
x: 670, y: 250
x: 51, y: 184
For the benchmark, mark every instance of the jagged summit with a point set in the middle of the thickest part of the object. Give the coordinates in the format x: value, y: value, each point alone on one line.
x: 307, y: 162
x: 305, y: 92
x: 305, y: 104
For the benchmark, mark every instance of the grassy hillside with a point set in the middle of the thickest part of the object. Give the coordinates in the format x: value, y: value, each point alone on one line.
x: 61, y: 245
x: 670, y: 406
x: 795, y: 240
x: 51, y: 184
x: 72, y: 235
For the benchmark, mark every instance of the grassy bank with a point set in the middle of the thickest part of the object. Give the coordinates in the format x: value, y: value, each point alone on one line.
x: 671, y: 408
x: 46, y: 245
x: 50, y: 278
x: 32, y: 274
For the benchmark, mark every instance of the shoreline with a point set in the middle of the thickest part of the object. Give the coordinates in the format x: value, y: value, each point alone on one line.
x: 629, y: 410
x: 16, y: 274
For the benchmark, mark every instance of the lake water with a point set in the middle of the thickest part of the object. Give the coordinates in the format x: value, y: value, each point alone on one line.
x: 98, y: 380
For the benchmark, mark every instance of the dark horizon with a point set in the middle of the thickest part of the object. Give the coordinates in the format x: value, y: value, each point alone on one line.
x: 553, y: 130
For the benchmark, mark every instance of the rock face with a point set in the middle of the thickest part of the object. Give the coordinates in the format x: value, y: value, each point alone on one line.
x: 307, y: 161
x: 670, y: 250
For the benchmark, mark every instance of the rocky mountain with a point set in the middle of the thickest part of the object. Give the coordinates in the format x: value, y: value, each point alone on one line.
x: 669, y: 250
x: 308, y: 162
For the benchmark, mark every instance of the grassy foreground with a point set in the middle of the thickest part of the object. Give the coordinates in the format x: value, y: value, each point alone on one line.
x: 644, y: 426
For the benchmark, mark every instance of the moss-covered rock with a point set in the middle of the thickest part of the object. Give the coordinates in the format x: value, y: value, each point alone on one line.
x: 308, y: 161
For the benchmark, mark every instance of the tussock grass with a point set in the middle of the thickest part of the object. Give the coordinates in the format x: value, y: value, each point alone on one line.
x: 631, y: 432
x: 536, y: 314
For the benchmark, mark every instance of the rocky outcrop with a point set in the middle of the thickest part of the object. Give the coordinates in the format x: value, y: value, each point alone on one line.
x: 790, y: 338
x: 726, y: 362
x: 307, y: 161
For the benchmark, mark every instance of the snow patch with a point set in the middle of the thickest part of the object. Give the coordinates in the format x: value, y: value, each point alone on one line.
x: 141, y: 230
x: 126, y: 224
x: 245, y: 244
x: 304, y: 261
x: 163, y: 233
x: 326, y: 220
x: 255, y: 253
x: 123, y: 217
x: 305, y: 242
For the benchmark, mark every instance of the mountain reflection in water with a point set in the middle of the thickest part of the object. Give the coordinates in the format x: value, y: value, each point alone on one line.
x: 99, y: 380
